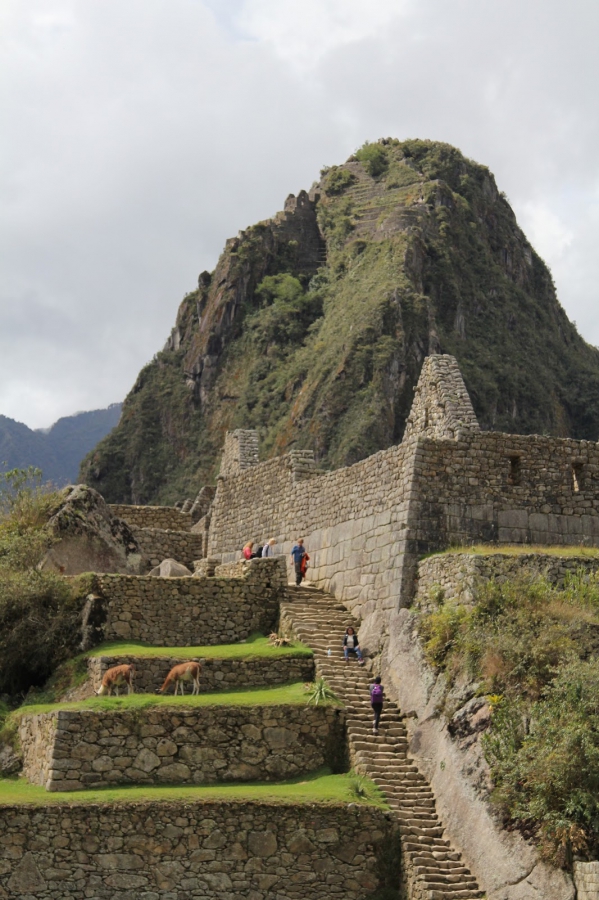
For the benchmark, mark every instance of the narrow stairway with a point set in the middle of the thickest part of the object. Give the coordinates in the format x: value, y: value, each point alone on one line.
x: 433, y: 871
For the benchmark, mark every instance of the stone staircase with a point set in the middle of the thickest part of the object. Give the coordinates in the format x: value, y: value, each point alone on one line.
x: 432, y: 870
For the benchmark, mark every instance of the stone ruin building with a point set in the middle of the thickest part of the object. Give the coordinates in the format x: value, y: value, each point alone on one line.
x: 372, y: 531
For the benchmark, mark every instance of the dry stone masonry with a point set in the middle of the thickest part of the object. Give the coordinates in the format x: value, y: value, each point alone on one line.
x: 163, y: 517
x: 453, y: 577
x: 192, y: 851
x: 184, y: 612
x: 216, y: 675
x: 156, y: 544
x: 586, y: 879
x: 70, y: 750
x: 366, y: 526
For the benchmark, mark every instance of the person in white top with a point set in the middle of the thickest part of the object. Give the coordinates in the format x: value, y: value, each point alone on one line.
x: 269, y: 549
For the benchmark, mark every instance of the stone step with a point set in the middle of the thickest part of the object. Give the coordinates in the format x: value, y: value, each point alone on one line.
x: 319, y: 620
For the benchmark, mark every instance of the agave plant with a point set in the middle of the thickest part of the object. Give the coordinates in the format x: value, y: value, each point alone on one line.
x: 320, y: 692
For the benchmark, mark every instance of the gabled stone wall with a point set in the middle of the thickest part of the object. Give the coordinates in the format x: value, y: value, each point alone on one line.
x: 366, y: 526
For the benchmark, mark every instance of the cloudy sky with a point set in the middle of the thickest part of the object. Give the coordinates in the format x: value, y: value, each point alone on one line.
x: 139, y: 134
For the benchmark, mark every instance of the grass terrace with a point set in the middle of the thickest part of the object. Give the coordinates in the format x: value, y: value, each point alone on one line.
x: 521, y: 550
x: 318, y: 787
x: 255, y: 646
x: 295, y: 694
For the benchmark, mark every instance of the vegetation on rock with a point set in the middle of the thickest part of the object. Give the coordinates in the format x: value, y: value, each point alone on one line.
x: 533, y: 649
x: 314, y: 326
x: 39, y: 611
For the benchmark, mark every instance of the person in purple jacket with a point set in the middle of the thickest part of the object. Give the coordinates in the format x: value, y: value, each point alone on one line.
x: 376, y: 701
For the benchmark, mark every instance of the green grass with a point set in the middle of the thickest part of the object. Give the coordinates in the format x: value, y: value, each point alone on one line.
x: 268, y: 696
x: 522, y: 550
x: 317, y: 787
x: 256, y: 645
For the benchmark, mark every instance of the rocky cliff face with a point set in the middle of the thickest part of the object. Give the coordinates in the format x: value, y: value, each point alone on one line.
x: 314, y: 325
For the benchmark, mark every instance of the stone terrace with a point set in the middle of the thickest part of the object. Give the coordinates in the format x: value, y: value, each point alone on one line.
x: 456, y: 575
x: 70, y: 750
x: 191, y: 611
x: 217, y: 674
x: 207, y: 850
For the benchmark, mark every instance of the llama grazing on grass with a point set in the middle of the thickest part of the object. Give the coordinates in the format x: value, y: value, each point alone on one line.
x: 114, y: 678
x: 189, y: 671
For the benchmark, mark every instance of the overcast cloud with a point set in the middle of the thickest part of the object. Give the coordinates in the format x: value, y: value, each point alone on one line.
x: 139, y: 134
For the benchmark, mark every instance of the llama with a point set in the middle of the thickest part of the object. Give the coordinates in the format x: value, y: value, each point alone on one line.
x: 187, y: 671
x: 114, y: 678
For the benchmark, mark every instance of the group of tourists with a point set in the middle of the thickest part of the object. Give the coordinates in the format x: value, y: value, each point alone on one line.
x: 265, y: 551
x: 262, y: 551
x: 351, y: 644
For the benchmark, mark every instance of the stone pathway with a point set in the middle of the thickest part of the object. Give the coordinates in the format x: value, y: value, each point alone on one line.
x: 432, y: 870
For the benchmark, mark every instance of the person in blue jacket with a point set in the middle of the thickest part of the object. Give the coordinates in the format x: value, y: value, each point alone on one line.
x: 297, y: 555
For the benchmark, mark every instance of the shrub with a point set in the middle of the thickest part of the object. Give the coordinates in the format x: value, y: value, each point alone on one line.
x: 39, y: 612
x: 319, y: 692
x: 373, y: 157
x: 338, y: 179
x: 287, y: 311
x: 532, y: 647
x: 545, y: 762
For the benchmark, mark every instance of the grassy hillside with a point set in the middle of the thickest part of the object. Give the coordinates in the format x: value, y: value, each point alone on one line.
x: 314, y: 326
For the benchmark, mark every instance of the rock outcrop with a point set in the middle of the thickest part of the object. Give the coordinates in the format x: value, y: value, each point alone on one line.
x: 89, y: 538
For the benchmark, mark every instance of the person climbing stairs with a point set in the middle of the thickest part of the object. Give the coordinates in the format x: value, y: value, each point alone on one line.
x: 432, y: 869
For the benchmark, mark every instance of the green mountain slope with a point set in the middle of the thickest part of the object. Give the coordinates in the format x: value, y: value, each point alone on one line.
x: 59, y: 450
x: 314, y: 325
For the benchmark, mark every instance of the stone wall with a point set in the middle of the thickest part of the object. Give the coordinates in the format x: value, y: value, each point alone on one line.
x: 70, y: 750
x: 240, y: 452
x: 156, y: 544
x: 163, y: 517
x: 586, y: 879
x: 187, y: 612
x: 453, y: 577
x: 202, y: 850
x: 366, y: 526
x: 217, y: 674
x: 353, y: 521
x: 441, y: 406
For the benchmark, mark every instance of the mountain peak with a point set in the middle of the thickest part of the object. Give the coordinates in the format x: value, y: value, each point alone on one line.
x: 315, y: 323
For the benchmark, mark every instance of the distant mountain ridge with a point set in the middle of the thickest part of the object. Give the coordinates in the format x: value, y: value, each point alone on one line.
x: 58, y: 450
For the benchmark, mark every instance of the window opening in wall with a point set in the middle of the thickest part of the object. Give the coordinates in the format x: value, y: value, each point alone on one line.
x: 576, y: 477
x: 515, y: 470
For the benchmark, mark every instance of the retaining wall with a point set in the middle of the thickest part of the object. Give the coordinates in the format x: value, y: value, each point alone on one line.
x: 366, y: 526
x: 69, y: 750
x: 586, y: 879
x: 353, y: 521
x: 216, y: 675
x: 204, y: 850
x: 455, y: 575
x: 191, y: 611
x: 164, y: 517
x: 156, y: 544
